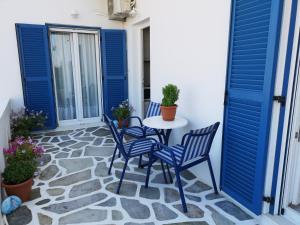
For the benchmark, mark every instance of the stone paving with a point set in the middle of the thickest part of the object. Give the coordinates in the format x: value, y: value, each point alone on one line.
x: 74, y: 188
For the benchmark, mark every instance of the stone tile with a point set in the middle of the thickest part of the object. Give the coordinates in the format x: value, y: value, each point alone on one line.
x: 61, y: 155
x: 71, y: 179
x: 69, y: 206
x: 55, y: 191
x: 43, y: 202
x: 171, y: 195
x: 91, y: 129
x: 49, y: 172
x: 213, y: 196
x: 21, y: 216
x: 109, y: 203
x: 44, y: 220
x: 40, y: 184
x: 65, y: 138
x: 218, y: 218
x: 76, y: 153
x: 135, y: 209
x: 119, y: 165
x: 130, y: 223
x: 127, y: 188
x: 233, y: 210
x: 131, y: 176
x: 198, y: 187
x: 189, y: 223
x: 66, y: 143
x: 193, y: 210
x: 66, y: 149
x: 45, y: 139
x: 109, y: 141
x: 101, y: 132
x: 193, y: 198
x: 99, y: 151
x: 74, y: 165
x: 84, y: 216
x: 106, y: 180
x: 60, y: 198
x: 55, y: 140
x: 98, y: 141
x: 150, y: 192
x: 58, y: 133
x: 35, y: 193
x: 78, y: 145
x: 116, y: 215
x: 86, y: 139
x: 78, y: 134
x: 186, y: 174
x: 51, y: 150
x: 85, y: 188
x: 101, y: 170
x: 44, y: 159
x: 162, y: 212
x: 159, y: 178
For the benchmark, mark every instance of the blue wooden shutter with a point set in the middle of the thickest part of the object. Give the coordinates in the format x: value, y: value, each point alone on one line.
x: 114, y: 66
x: 250, y: 85
x: 36, y: 70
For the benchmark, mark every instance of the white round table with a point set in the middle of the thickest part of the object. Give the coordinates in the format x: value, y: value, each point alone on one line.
x: 157, y: 122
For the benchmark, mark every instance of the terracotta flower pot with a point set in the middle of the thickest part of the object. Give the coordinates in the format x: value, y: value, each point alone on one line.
x: 120, y: 123
x: 23, y: 190
x: 168, y: 112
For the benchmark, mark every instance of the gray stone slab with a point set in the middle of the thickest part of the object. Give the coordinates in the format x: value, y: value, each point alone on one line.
x: 193, y: 198
x: 218, y: 218
x: 106, y: 180
x: 55, y: 191
x: 71, y: 179
x: 45, y: 139
x: 101, y: 170
x: 44, y: 159
x: 58, y: 133
x: 135, y: 209
x: 233, y: 210
x: 109, y: 203
x: 91, y: 129
x: 162, y: 212
x: 60, y: 198
x: 109, y: 141
x: 78, y: 145
x: 99, y: 151
x: 116, y: 215
x: 189, y: 223
x: 49, y: 172
x: 119, y: 165
x: 74, y: 165
x: 78, y: 134
x: 213, y: 196
x: 66, y: 149
x: 127, y: 188
x: 85, y: 139
x: 131, y: 176
x: 198, y: 187
x: 171, y: 195
x: 65, y: 138
x: 61, y: 155
x: 84, y: 216
x: 101, y: 132
x: 188, y: 175
x: 52, y: 150
x: 44, y: 220
x: 193, y: 210
x: 43, y: 202
x: 76, y: 153
x: 159, y: 178
x: 130, y: 223
x: 98, y: 141
x: 69, y: 206
x: 66, y: 143
x: 150, y: 192
x: 85, y: 188
x: 35, y: 193
x: 21, y: 216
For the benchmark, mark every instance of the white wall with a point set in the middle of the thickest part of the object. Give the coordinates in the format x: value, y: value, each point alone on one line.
x: 189, y: 41
x: 91, y: 13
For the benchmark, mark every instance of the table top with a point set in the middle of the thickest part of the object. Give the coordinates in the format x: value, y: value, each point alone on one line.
x: 158, y: 123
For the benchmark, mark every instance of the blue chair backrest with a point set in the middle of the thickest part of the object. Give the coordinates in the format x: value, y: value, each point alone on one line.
x: 153, y: 109
x: 114, y: 131
x: 198, y: 143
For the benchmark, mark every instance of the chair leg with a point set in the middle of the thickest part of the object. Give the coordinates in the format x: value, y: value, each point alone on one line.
x: 112, y: 160
x: 180, y: 190
x: 163, y: 170
x: 151, y: 160
x: 140, y: 161
x: 212, y: 176
x: 119, y: 154
x: 122, y: 176
x: 170, y: 175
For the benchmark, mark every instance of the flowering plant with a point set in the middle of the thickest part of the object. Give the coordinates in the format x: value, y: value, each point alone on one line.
x: 23, y: 149
x: 123, y: 111
x: 24, y: 122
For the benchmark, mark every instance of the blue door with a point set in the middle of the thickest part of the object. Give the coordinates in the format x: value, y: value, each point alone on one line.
x: 255, y: 31
x: 36, y: 70
x: 114, y: 66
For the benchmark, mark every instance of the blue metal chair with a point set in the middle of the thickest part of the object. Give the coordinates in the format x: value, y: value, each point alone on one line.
x: 128, y: 150
x: 194, y: 149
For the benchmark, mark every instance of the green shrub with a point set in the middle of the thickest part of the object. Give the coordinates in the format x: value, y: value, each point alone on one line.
x: 17, y: 172
x: 123, y: 111
x: 171, y: 94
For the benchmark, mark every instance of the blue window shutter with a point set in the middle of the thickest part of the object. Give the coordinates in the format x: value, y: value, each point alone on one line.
x: 114, y: 66
x: 36, y: 70
x: 252, y: 61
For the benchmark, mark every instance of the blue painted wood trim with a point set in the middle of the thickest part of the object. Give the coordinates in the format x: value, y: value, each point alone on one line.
x: 282, y: 108
x: 55, y: 25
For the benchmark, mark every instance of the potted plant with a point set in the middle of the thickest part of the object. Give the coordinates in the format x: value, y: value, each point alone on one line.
x: 122, y: 112
x: 21, y: 158
x: 168, y: 106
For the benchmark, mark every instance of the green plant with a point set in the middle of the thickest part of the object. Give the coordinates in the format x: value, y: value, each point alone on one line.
x: 25, y: 121
x: 123, y: 111
x: 17, y: 172
x: 171, y: 94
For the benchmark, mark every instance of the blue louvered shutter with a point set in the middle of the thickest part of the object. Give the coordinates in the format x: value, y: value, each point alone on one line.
x: 114, y: 66
x: 36, y: 70
x: 250, y: 85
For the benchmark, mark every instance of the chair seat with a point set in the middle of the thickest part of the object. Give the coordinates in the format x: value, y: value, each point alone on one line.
x: 137, y: 132
x: 139, y: 148
x: 166, y: 156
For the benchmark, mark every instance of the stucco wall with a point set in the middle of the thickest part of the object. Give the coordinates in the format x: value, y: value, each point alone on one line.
x: 189, y: 43
x: 91, y: 13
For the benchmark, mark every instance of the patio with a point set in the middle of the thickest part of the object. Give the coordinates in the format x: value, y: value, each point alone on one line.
x: 74, y: 188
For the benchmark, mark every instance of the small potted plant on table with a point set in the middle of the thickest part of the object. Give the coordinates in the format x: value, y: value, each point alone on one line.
x: 168, y: 106
x: 122, y: 112
x: 21, y: 158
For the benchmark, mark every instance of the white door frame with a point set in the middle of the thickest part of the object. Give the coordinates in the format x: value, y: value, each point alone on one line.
x: 77, y: 81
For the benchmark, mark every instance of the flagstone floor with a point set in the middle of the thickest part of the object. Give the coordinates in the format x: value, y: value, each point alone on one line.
x: 74, y: 188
